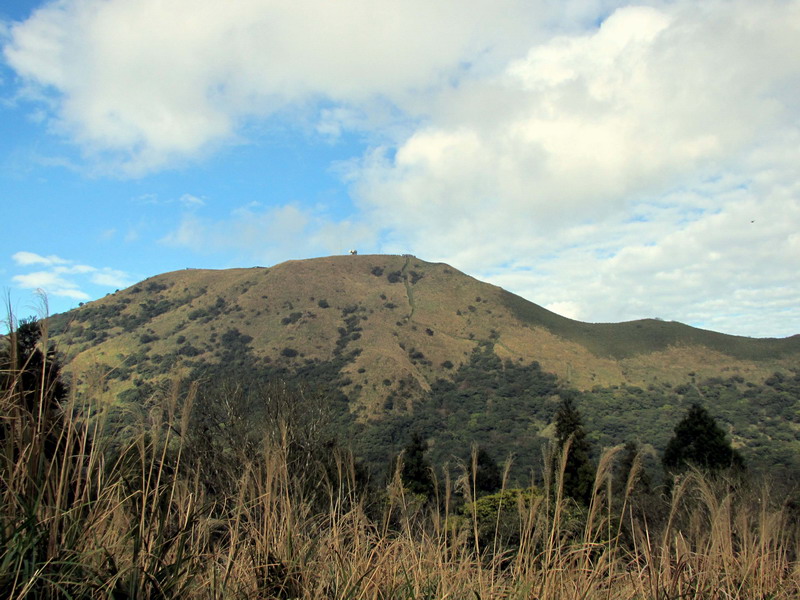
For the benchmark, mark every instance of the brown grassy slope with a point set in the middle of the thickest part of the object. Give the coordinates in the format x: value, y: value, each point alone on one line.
x: 411, y: 316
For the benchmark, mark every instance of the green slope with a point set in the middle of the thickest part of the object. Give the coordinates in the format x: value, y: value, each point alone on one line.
x: 623, y: 340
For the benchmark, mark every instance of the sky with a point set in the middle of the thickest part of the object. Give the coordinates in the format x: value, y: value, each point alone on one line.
x: 608, y: 160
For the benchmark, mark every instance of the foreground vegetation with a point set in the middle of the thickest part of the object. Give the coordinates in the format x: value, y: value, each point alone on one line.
x: 177, y: 506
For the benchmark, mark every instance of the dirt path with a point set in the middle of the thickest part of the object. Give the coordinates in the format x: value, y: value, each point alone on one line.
x: 409, y: 291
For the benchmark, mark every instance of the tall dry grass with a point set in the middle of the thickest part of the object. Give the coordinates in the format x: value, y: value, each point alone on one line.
x: 83, y: 516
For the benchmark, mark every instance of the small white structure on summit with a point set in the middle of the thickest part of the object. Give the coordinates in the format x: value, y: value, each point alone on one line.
x: 353, y: 252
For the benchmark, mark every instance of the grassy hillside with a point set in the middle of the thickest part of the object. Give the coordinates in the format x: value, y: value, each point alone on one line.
x: 645, y: 336
x: 406, y: 317
x: 399, y: 344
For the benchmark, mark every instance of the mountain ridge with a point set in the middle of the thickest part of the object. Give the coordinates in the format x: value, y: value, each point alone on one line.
x: 394, y: 344
x: 406, y: 317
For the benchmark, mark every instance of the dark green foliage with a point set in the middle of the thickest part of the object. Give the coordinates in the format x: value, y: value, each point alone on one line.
x: 292, y: 318
x: 31, y: 375
x: 765, y: 418
x: 377, y: 271
x: 350, y: 309
x: 323, y: 304
x: 579, y: 470
x: 497, y: 405
x: 416, y: 471
x: 485, y: 473
x: 289, y: 352
x: 351, y: 330
x: 415, y: 277
x: 237, y: 405
x: 394, y: 276
x: 151, y: 308
x: 188, y: 350
x: 235, y: 346
x: 205, y: 315
x: 699, y: 442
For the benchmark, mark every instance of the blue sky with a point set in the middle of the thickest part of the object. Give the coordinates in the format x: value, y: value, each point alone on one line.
x: 607, y: 160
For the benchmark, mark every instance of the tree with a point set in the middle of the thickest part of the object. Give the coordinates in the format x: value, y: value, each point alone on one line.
x: 29, y: 371
x: 700, y: 442
x: 32, y: 432
x: 579, y: 470
x: 487, y: 475
x: 416, y: 471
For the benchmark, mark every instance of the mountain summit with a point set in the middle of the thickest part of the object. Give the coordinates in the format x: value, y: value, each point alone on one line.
x: 407, y: 319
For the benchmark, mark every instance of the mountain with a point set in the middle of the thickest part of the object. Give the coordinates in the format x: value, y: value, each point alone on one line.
x: 391, y: 333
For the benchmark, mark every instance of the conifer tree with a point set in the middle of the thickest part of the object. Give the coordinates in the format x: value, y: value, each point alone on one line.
x: 579, y: 470
x: 700, y: 442
x: 416, y: 473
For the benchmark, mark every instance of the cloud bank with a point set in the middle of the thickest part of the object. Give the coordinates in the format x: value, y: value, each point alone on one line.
x: 145, y: 83
x: 644, y: 168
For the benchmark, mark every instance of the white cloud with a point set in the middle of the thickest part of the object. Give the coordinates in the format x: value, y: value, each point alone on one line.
x: 148, y: 82
x: 571, y: 310
x: 50, y: 283
x: 110, y: 278
x: 614, y: 173
x: 65, y: 278
x: 31, y: 258
x: 732, y: 270
x: 585, y: 123
x: 189, y: 201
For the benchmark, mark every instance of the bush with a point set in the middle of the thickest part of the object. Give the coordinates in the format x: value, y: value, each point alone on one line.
x: 499, y: 514
x: 292, y: 318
